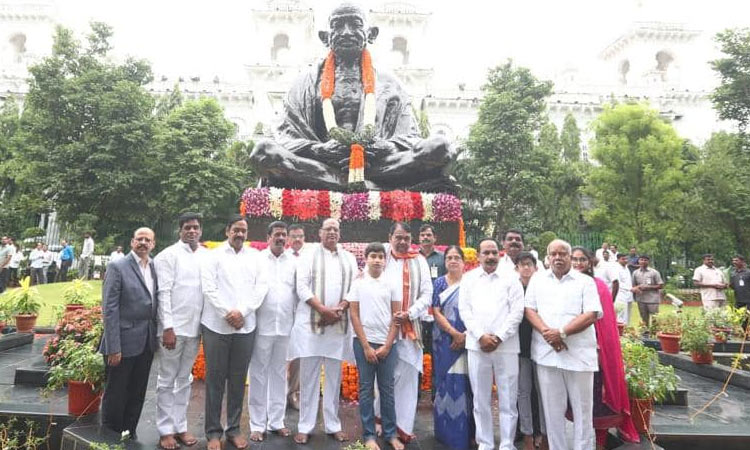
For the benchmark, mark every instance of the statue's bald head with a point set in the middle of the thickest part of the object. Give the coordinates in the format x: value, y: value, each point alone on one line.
x: 348, y: 33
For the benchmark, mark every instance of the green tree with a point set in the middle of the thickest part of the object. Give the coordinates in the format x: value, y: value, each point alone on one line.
x: 637, y: 188
x: 504, y: 172
x: 731, y: 97
x: 570, y: 138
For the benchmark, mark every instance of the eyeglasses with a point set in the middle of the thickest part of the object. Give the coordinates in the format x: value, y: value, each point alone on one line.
x: 579, y: 260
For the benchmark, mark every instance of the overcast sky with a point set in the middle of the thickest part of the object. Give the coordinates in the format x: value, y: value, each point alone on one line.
x: 209, y: 37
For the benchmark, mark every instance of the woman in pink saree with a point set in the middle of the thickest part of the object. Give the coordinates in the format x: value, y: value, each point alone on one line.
x: 611, y: 403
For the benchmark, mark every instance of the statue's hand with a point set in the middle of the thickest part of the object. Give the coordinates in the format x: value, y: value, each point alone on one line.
x: 329, y: 152
x: 379, y: 150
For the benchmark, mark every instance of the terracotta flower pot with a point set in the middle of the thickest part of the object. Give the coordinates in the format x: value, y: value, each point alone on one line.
x: 25, y: 323
x: 2, y: 325
x: 721, y: 335
x: 82, y: 399
x: 670, y: 343
x: 73, y: 307
x: 620, y: 328
x: 640, y: 411
x: 703, y: 357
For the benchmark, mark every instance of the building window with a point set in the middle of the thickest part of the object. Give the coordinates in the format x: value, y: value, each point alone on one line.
x: 280, y: 43
x: 400, y: 46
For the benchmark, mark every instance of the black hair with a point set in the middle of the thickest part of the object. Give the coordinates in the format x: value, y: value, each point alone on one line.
x: 426, y: 227
x: 276, y: 224
x: 485, y: 239
x: 234, y: 218
x: 589, y: 255
x: 296, y: 226
x: 398, y: 224
x: 523, y: 256
x: 740, y: 257
x: 188, y: 216
x: 458, y: 250
x: 515, y: 231
x: 708, y: 255
x: 374, y: 247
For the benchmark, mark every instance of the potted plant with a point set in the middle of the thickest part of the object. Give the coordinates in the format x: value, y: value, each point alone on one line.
x: 82, y: 369
x: 669, y: 329
x: 647, y: 380
x: 76, y: 294
x: 26, y: 303
x: 696, y: 338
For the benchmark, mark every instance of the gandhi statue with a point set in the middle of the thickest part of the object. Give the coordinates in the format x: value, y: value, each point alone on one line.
x: 328, y: 109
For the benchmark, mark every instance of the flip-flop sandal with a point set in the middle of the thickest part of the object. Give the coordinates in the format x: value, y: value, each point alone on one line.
x: 186, y: 442
x: 164, y: 447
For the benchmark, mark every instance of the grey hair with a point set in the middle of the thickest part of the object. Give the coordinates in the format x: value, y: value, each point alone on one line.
x: 566, y: 244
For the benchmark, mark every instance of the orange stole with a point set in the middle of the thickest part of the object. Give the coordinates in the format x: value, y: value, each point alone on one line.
x: 407, y: 328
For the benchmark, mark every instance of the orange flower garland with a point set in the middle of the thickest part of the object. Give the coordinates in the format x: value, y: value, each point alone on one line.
x: 199, y: 366
x: 327, y: 86
x: 349, y: 381
x: 461, y: 233
x: 426, y: 372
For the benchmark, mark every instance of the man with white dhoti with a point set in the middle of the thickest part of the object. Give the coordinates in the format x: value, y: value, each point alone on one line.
x: 562, y: 305
x: 266, y: 400
x: 179, y: 314
x: 321, y: 335
x: 409, y: 273
x: 491, y: 305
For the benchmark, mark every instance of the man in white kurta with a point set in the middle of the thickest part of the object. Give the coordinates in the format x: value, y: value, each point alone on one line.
x: 711, y: 282
x: 624, y: 293
x: 321, y: 335
x: 266, y: 399
x: 562, y: 305
x: 406, y: 374
x: 233, y: 289
x: 491, y: 305
x: 179, y: 320
x: 296, y: 243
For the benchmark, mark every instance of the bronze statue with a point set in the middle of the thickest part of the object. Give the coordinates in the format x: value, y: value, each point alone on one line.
x: 333, y: 111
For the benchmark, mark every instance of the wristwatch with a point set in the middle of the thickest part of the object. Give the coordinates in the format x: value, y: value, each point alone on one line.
x: 562, y: 333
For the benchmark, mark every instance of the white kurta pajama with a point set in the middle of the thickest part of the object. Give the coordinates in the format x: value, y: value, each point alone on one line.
x: 266, y: 401
x: 180, y: 306
x: 567, y: 375
x: 493, y: 304
x: 406, y: 374
x: 327, y: 348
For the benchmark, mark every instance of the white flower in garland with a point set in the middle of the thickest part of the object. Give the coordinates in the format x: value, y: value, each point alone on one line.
x: 275, y: 204
x: 336, y: 199
x: 427, y: 206
x: 373, y: 205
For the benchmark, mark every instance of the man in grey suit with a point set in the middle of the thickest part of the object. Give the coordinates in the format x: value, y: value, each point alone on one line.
x: 129, y: 342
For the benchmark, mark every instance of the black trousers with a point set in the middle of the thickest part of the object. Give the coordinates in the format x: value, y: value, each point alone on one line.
x: 64, y: 266
x: 4, y: 277
x: 125, y: 391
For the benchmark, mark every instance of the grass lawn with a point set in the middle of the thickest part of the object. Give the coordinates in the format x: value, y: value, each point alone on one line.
x: 635, y: 318
x: 52, y: 300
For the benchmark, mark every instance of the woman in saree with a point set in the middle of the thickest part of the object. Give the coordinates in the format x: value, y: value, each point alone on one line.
x: 453, y: 405
x: 611, y: 404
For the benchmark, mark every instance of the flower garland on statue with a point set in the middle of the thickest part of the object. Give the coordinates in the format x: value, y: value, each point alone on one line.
x: 357, y: 151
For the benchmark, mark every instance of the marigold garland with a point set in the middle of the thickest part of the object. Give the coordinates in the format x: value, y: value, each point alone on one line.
x: 199, y: 366
x: 356, y: 164
x: 426, y: 372
x: 349, y: 382
x: 461, y: 233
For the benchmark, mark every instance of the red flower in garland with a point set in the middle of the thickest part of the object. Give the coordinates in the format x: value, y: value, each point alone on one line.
x: 418, y: 208
x: 287, y: 202
x: 402, y: 205
x: 324, y: 204
x: 305, y: 204
x: 386, y: 205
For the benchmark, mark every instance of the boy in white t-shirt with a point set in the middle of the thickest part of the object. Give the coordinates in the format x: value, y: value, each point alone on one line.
x: 372, y: 308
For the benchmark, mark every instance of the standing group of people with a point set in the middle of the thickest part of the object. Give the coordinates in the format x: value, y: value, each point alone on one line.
x: 11, y: 256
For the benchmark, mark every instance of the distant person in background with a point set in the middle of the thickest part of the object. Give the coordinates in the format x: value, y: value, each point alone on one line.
x: 15, y: 264
x: 711, y: 282
x: 6, y: 253
x: 87, y: 256
x: 633, y: 259
x: 117, y: 254
x: 647, y: 283
x: 613, y: 252
x: 36, y: 263
x: 436, y: 262
x: 624, y: 294
x: 600, y: 251
x: 48, y: 259
x: 608, y: 271
x: 66, y: 260
x: 740, y: 283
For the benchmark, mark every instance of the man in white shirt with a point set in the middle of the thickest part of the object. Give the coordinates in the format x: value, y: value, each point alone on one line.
x: 491, y: 305
x: 624, y: 294
x: 562, y: 305
x: 321, y: 335
x: 711, y: 282
x: 409, y: 272
x: 117, y: 254
x: 296, y: 243
x: 87, y: 255
x: 608, y: 271
x: 233, y: 289
x: 512, y: 246
x: 36, y: 263
x: 180, y: 308
x: 266, y: 401
x: 47, y: 258
x: 600, y: 251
